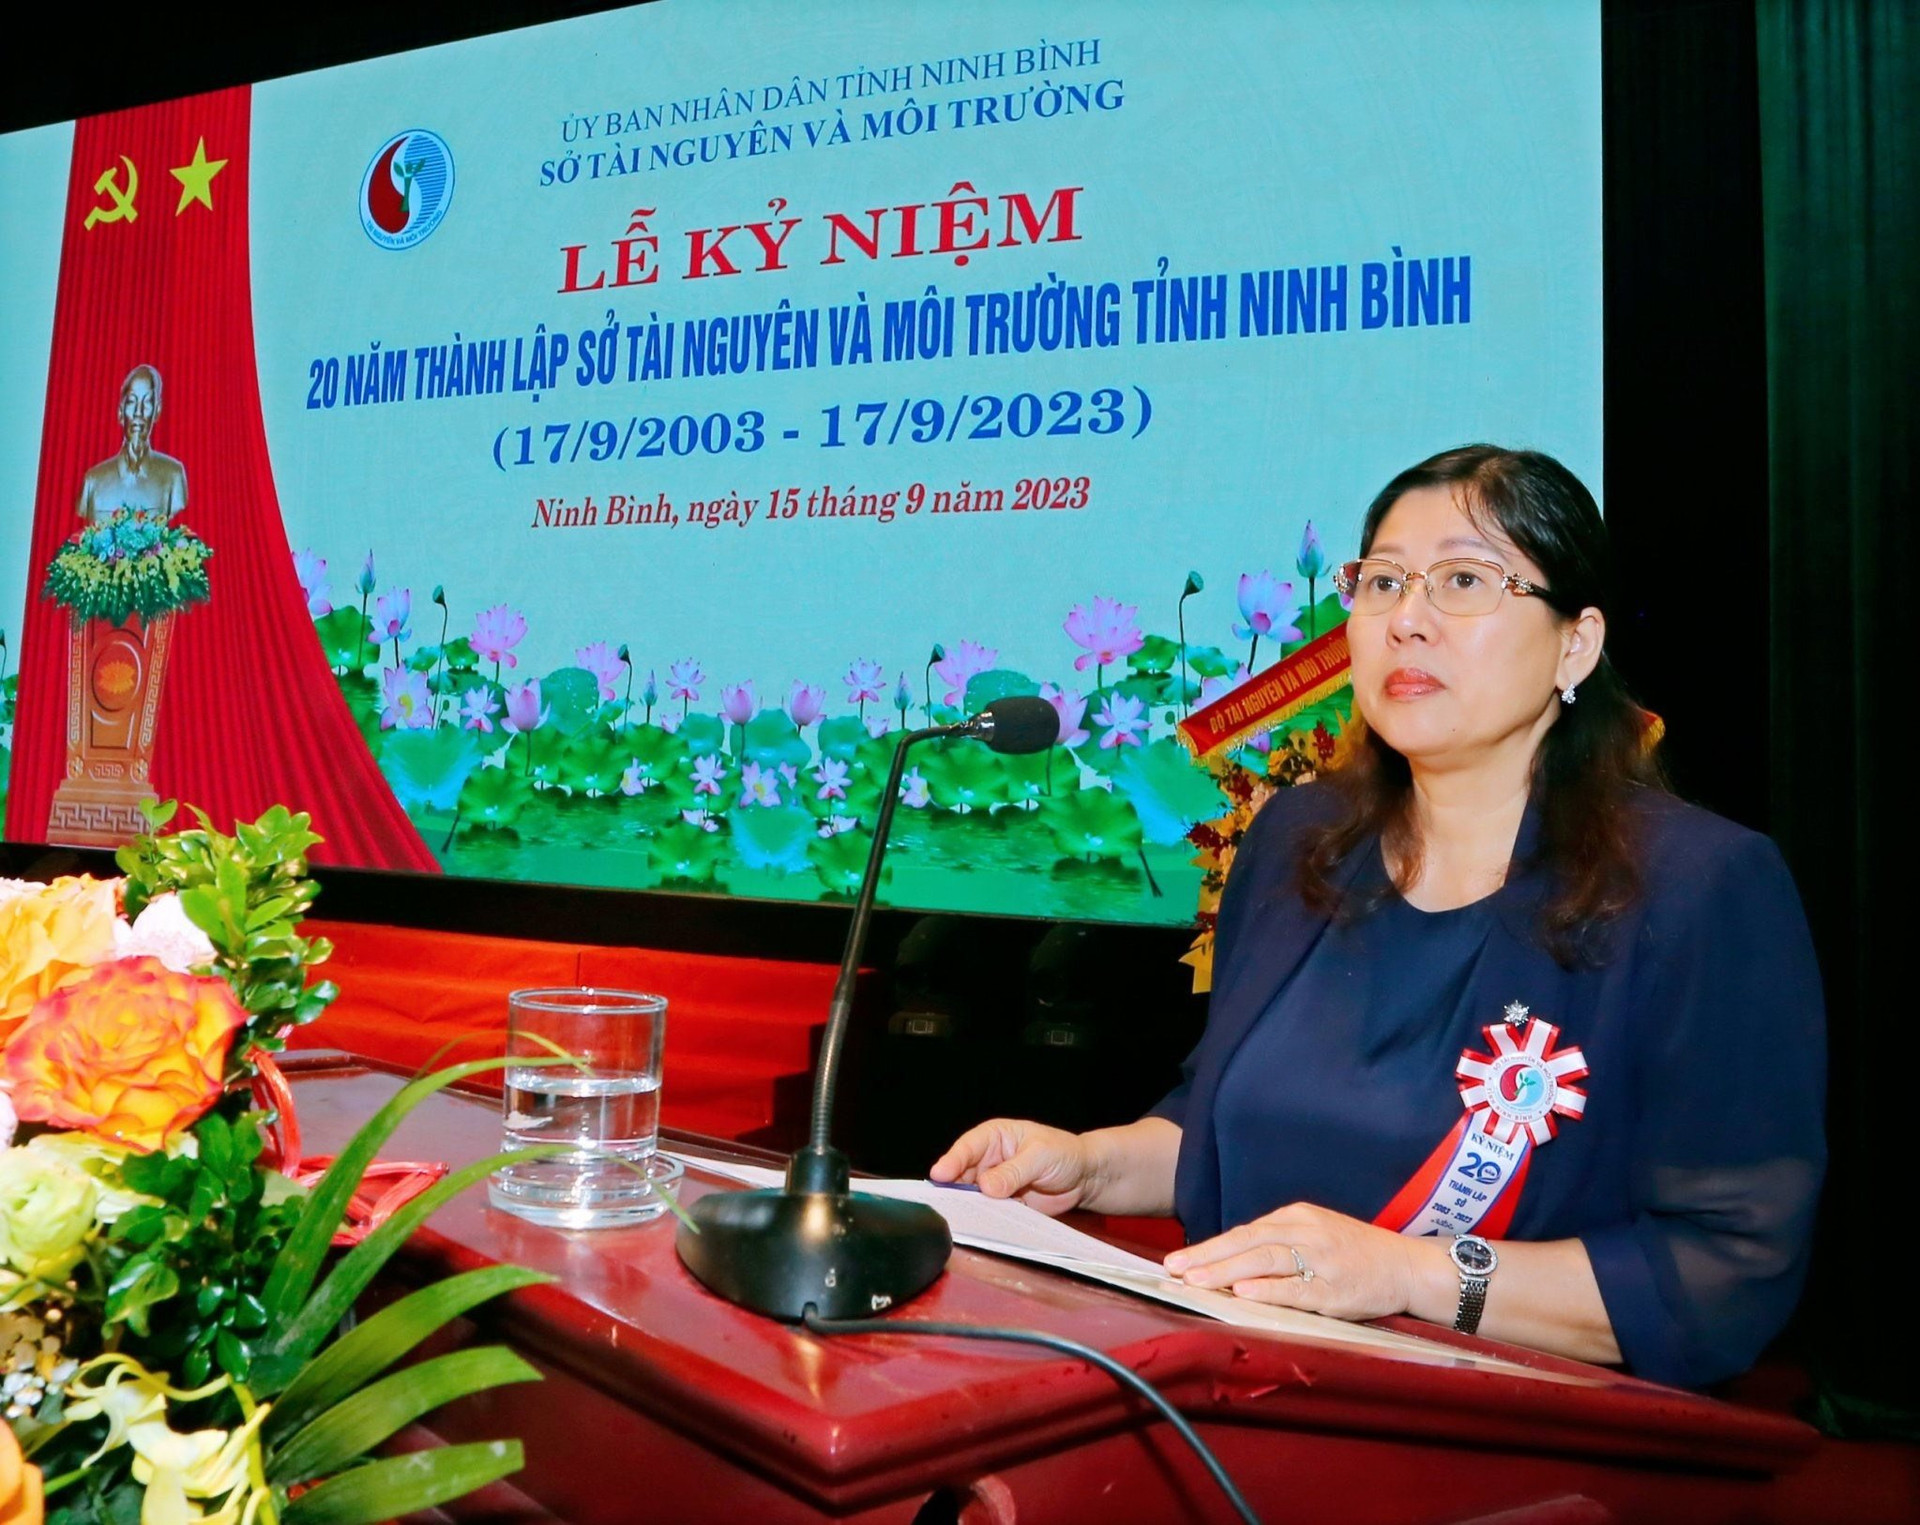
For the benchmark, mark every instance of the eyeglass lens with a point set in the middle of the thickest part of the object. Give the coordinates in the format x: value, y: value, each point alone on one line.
x: 1462, y: 587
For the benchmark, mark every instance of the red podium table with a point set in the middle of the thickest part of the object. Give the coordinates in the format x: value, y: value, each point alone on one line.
x: 662, y: 1403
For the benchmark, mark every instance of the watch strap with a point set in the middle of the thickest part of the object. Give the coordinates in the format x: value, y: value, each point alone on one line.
x: 1473, y: 1303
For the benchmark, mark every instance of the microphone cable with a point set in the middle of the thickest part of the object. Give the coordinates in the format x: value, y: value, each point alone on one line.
x: 1124, y: 1375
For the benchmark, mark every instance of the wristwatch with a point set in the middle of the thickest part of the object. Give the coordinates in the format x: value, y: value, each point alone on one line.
x: 1474, y: 1259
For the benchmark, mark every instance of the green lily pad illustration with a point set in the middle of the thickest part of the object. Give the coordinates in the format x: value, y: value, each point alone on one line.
x: 875, y: 755
x: 654, y: 757
x: 571, y: 695
x: 343, y: 638
x: 545, y: 770
x: 996, y: 683
x: 964, y: 774
x: 427, y: 769
x: 686, y: 854
x: 493, y: 798
x: 1157, y: 654
x: 1167, y: 789
x: 773, y: 739
x: 841, y: 737
x: 1035, y: 775
x: 702, y: 734
x: 773, y: 837
x: 593, y: 765
x: 1210, y: 662
x: 1092, y: 824
x: 841, y: 862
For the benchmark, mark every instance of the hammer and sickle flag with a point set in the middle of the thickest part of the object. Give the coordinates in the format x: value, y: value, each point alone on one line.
x: 118, y: 206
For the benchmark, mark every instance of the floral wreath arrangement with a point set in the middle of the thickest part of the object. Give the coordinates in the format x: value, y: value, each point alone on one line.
x: 1296, y: 757
x: 171, y: 1313
x: 133, y: 561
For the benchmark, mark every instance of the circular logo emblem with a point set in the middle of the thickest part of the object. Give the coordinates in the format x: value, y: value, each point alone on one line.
x: 406, y: 189
x: 1519, y: 1087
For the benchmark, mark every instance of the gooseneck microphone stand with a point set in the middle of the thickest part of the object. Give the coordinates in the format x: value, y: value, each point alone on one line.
x: 815, y: 1243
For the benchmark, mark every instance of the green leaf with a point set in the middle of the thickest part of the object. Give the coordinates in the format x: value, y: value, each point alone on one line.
x: 427, y: 769
x: 772, y: 837
x: 996, y: 683
x: 1027, y: 775
x: 572, y: 694
x: 1092, y: 824
x: 216, y: 1145
x: 841, y: 737
x: 1211, y: 662
x: 841, y: 861
x: 141, y: 1282
x: 400, y: 1485
x: 1169, y: 791
x: 343, y: 639
x: 298, y: 1263
x: 369, y: 1348
x: 593, y: 765
x: 773, y: 739
x: 964, y: 773
x: 354, y: 1426
x: 295, y: 1342
x: 702, y: 734
x: 493, y: 797
x: 1157, y: 654
x: 685, y: 852
x: 653, y: 753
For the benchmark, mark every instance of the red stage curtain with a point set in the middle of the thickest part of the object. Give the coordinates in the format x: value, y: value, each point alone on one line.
x: 250, y: 714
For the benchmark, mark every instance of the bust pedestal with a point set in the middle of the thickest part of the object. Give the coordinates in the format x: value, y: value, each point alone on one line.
x: 114, y: 673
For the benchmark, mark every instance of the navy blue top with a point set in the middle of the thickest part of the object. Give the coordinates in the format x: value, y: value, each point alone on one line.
x: 1326, y: 1073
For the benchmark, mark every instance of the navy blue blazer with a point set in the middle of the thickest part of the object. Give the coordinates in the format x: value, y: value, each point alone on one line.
x: 1693, y: 1176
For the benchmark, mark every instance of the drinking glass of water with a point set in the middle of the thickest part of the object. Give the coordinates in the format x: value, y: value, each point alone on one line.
x: 602, y: 1100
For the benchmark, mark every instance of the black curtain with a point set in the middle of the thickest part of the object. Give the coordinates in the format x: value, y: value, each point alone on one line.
x: 1686, y: 401
x: 1839, y: 97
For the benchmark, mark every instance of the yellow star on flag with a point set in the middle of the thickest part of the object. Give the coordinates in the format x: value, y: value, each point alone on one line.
x: 196, y: 179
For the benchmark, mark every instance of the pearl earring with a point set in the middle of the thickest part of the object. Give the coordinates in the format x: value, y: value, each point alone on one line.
x: 1567, y: 693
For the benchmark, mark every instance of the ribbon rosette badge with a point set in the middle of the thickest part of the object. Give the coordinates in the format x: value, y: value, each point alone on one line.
x: 1523, y: 1084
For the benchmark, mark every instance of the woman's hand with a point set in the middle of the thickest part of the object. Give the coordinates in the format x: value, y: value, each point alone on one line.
x: 1357, y: 1271
x: 1047, y: 1168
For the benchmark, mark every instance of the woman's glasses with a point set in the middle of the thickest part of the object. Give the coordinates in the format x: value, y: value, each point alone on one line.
x: 1462, y: 586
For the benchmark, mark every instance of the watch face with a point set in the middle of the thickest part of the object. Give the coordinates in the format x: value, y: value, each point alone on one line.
x: 1474, y: 1256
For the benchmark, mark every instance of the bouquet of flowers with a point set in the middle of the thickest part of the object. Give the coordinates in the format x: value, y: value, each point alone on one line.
x: 131, y: 562
x: 170, y: 1307
x: 1296, y: 757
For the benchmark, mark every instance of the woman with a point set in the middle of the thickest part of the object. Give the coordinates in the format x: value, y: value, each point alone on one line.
x: 1503, y: 1036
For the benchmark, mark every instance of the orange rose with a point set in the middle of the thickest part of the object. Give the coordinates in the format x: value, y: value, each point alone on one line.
x: 21, y: 1501
x: 130, y: 1051
x: 47, y: 935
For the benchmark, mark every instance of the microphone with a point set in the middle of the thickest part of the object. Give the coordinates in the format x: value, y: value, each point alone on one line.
x: 816, y: 1243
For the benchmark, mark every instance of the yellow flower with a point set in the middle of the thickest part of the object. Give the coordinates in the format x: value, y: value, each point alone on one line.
x: 175, y: 1469
x: 47, y: 936
x: 46, y: 1213
x: 131, y: 1051
x: 21, y: 1500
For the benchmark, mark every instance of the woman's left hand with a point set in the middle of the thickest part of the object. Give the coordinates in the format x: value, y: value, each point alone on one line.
x: 1358, y: 1271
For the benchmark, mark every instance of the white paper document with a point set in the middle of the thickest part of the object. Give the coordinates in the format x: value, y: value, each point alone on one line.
x: 1002, y: 1226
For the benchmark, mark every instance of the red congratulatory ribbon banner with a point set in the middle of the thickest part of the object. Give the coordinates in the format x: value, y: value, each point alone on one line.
x: 1274, y: 697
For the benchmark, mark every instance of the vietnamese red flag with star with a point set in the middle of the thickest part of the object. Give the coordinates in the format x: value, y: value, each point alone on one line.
x: 154, y: 271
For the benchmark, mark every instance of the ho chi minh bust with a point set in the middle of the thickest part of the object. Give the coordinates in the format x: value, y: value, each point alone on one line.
x: 136, y: 476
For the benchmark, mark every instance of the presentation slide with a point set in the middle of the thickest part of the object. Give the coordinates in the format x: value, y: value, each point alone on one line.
x: 575, y: 455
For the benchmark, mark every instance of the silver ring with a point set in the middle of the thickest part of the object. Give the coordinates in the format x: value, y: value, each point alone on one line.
x: 1300, y: 1267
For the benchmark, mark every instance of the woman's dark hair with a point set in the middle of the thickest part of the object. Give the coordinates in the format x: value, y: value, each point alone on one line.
x: 1594, y: 758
